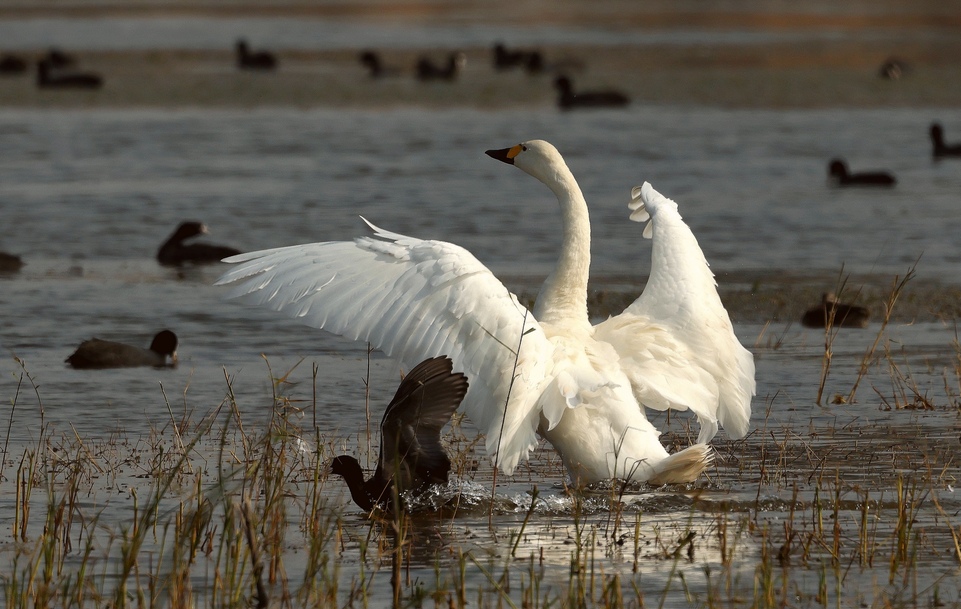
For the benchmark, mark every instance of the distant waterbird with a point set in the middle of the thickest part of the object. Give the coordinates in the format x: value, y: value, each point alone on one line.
x: 10, y: 263
x: 939, y: 149
x: 428, y: 70
x: 507, y: 59
x: 839, y: 175
x: 568, y: 98
x: 254, y: 60
x: 831, y: 313
x: 49, y: 77
x: 375, y: 65
x: 174, y: 252
x: 12, y: 65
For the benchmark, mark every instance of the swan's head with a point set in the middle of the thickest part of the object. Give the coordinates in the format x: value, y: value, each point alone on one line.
x: 535, y: 157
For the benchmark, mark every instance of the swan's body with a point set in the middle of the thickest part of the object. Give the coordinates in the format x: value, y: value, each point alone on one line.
x: 580, y: 386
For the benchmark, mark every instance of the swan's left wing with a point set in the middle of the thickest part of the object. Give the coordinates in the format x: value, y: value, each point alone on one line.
x: 676, y: 340
x: 414, y: 299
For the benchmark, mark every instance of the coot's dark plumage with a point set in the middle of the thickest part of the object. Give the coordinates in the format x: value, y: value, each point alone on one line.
x: 844, y: 315
x: 427, y: 70
x: 96, y: 353
x: 50, y: 78
x: 411, y: 455
x: 250, y: 60
x: 55, y: 58
x: 375, y: 66
x: 12, y: 65
x: 838, y: 172
x: 507, y: 59
x: 10, y: 263
x: 567, y: 99
x: 939, y: 148
x: 175, y: 253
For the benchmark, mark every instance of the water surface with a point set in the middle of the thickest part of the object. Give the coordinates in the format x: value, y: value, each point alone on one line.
x: 88, y: 196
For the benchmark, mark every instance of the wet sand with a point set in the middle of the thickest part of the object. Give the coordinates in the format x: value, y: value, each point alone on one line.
x: 822, y: 57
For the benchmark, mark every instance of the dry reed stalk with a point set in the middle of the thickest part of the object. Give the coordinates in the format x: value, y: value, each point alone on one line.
x: 898, y: 285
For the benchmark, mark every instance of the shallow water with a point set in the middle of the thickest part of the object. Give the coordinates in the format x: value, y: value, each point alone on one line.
x: 87, y: 197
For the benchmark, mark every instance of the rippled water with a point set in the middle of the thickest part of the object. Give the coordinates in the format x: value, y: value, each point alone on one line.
x: 87, y: 197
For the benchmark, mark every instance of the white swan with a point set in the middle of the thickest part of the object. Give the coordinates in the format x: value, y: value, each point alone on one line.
x: 580, y: 386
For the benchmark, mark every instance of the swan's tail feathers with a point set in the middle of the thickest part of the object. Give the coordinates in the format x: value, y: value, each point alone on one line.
x: 683, y: 466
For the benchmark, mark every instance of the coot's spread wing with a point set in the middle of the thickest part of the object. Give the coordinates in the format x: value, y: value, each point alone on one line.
x: 411, y: 452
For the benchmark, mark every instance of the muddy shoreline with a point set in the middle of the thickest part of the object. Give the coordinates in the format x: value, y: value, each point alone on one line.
x: 825, y: 56
x: 783, y: 76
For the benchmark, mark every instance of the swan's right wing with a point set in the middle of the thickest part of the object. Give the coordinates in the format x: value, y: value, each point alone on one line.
x: 414, y: 299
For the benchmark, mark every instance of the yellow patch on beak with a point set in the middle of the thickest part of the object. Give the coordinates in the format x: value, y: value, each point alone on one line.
x: 514, y: 151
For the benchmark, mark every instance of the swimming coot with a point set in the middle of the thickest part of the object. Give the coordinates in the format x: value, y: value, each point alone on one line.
x: 174, y: 253
x: 375, y: 66
x: 50, y: 78
x: 96, y: 353
x: 567, y: 99
x: 839, y: 174
x: 10, y: 263
x: 837, y: 314
x: 427, y: 70
x: 507, y: 59
x: 12, y: 65
x: 250, y: 60
x: 939, y: 148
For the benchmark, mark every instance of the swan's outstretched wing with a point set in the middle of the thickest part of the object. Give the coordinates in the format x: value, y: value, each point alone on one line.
x: 415, y: 299
x: 676, y: 340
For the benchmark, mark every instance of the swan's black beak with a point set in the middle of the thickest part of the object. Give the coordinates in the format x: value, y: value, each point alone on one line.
x: 505, y: 155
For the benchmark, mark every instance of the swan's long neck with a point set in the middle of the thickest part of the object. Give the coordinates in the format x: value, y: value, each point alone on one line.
x: 563, y: 297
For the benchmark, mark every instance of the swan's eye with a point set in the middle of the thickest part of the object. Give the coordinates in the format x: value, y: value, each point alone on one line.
x: 523, y: 148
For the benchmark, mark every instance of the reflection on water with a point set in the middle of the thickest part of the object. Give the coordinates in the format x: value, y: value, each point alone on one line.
x: 87, y: 197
